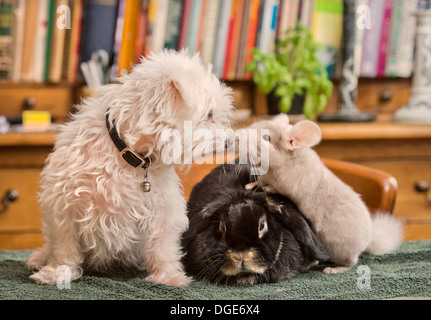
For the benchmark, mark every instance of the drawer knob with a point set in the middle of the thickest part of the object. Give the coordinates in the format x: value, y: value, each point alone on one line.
x: 9, y: 196
x: 423, y: 186
x: 29, y: 103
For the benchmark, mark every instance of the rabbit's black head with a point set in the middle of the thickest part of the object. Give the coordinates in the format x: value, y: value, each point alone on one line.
x: 245, y: 237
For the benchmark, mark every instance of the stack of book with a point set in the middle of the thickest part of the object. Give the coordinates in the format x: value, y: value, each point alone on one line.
x: 47, y: 40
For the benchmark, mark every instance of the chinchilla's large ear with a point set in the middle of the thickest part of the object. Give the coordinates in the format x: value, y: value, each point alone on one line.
x: 291, y: 218
x: 304, y: 134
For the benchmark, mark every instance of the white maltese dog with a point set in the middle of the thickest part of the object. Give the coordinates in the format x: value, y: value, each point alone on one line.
x: 110, y: 195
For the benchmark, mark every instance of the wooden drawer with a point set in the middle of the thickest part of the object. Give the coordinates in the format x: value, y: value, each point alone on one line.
x: 410, y: 205
x: 57, y: 99
x: 23, y: 215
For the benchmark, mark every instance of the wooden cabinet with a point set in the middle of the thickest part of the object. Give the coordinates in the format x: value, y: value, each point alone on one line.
x: 22, y: 156
x: 56, y: 98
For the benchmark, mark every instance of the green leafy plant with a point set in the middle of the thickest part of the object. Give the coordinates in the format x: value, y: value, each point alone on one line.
x: 294, y: 69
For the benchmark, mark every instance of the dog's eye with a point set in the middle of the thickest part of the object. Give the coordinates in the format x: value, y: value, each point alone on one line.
x: 266, y: 138
x: 210, y: 115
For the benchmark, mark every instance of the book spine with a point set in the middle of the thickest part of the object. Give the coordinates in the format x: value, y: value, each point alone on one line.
x: 173, y: 26
x: 327, y: 31
x: 384, y: 39
x: 49, y: 36
x: 222, y: 36
x: 201, y: 27
x: 209, y: 36
x: 75, y: 40
x: 29, y: 43
x: 6, y: 40
x: 252, y: 34
x: 192, y: 34
x: 141, y: 33
x: 359, y: 38
x: 234, y: 53
x: 405, y: 54
x: 160, y: 26
x: 242, y: 44
x: 97, y: 37
x: 185, y: 21
x: 127, y: 49
x: 119, y: 26
x: 229, y: 39
x: 394, y: 43
x: 372, y: 38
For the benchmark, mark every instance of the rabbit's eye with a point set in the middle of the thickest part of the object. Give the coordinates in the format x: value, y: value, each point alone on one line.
x: 262, y: 227
x: 266, y: 138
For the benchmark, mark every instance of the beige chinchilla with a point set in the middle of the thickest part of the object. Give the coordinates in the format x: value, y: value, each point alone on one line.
x: 339, y: 217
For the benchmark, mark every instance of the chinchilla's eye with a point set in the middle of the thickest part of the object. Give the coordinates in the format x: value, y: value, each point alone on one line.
x: 266, y: 138
x: 210, y: 115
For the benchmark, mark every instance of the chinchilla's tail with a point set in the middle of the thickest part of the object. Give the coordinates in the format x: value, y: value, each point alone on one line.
x: 388, y: 234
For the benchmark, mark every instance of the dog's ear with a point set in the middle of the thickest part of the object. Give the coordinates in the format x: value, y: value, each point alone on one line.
x: 304, y: 134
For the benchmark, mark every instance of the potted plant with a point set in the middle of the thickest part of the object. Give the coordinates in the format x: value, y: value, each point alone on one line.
x: 294, y: 71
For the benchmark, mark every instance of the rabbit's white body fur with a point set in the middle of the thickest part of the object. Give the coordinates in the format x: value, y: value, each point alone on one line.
x: 339, y: 217
x: 95, y: 213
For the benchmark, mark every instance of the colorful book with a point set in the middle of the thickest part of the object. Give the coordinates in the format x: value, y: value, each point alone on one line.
x: 359, y: 39
x: 127, y: 48
x: 327, y: 31
x: 119, y: 24
x: 201, y: 24
x: 288, y: 17
x: 6, y: 40
x: 173, y: 27
x: 209, y: 35
x: 384, y: 38
x: 99, y: 29
x: 29, y: 42
x: 159, y: 26
x: 372, y: 38
x: 142, y: 31
x: 267, y: 25
x: 49, y: 34
x: 222, y: 36
x: 185, y: 21
x: 57, y: 46
x: 193, y: 27
x: 242, y: 42
x: 227, y: 54
x: 232, y: 55
x: 401, y: 46
x: 252, y: 34
x: 306, y: 14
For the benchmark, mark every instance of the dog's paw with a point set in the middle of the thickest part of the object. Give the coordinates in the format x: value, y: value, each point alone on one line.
x: 55, y: 275
x: 37, y: 259
x: 178, y: 280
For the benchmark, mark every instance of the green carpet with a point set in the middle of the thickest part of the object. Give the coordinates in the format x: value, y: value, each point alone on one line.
x: 402, y: 274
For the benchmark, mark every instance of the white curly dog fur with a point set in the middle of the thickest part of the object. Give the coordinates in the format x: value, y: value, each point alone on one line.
x: 95, y: 214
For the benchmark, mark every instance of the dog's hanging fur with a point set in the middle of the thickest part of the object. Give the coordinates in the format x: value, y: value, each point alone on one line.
x: 95, y: 214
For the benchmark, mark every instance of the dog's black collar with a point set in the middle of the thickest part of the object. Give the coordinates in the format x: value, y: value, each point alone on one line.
x: 131, y: 157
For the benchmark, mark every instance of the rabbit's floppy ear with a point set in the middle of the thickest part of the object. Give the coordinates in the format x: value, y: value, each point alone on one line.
x: 304, y: 134
x: 292, y: 219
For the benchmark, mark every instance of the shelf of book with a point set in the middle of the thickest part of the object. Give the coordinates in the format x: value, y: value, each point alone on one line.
x: 47, y: 40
